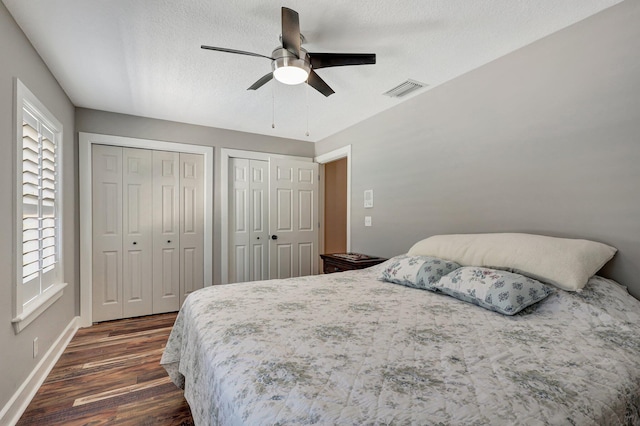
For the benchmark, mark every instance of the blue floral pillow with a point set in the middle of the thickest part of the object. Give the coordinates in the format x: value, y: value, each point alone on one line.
x: 417, y: 271
x: 500, y: 291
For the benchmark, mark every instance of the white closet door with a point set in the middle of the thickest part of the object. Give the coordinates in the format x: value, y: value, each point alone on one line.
x: 293, y: 201
x: 239, y: 224
x: 137, y: 237
x: 259, y: 220
x: 107, y: 232
x: 191, y: 224
x: 249, y: 220
x: 166, y: 231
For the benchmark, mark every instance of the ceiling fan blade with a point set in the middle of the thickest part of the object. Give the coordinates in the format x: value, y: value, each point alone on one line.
x: 258, y: 84
x: 291, y: 31
x: 324, y: 60
x: 239, y: 52
x: 317, y: 83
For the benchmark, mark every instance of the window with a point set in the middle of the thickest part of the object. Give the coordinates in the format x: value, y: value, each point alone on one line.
x: 39, y: 280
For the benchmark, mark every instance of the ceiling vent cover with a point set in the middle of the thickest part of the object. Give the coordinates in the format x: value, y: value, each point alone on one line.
x: 405, y: 88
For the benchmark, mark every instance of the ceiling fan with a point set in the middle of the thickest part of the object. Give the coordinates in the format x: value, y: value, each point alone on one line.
x: 292, y: 64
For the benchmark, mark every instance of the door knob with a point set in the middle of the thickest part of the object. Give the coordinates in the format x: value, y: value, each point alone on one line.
x: 257, y: 238
x: 274, y: 237
x: 168, y: 241
x: 134, y: 243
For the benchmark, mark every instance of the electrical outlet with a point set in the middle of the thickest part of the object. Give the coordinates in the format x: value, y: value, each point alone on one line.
x: 367, y: 221
x: 35, y: 347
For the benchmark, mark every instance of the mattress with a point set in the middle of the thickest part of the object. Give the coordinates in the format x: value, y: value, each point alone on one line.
x: 347, y: 348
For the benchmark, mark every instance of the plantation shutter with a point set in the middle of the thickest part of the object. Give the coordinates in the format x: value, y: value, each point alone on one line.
x: 39, y: 239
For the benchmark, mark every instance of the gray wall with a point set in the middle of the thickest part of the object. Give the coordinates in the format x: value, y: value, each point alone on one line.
x: 19, y: 59
x: 108, y: 123
x: 544, y: 140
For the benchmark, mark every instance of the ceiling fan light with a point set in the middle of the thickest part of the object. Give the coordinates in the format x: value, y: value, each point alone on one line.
x: 291, y: 75
x: 288, y: 68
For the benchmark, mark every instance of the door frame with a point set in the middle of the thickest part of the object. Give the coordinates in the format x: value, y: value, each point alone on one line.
x: 225, y: 154
x: 336, y: 154
x: 85, y: 142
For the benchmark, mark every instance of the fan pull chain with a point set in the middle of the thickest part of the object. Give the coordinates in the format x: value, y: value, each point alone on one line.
x: 306, y: 96
x: 273, y: 106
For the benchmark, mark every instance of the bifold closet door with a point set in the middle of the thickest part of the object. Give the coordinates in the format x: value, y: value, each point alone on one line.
x: 137, y: 237
x: 107, y: 233
x: 166, y: 231
x: 249, y: 221
x: 239, y: 217
x: 148, y: 230
x: 191, y: 224
x: 259, y: 210
x: 122, y: 236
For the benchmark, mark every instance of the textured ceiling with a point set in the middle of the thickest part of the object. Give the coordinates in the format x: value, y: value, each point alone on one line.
x: 143, y: 57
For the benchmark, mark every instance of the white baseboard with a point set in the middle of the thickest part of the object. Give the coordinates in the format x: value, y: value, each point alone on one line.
x: 20, y: 400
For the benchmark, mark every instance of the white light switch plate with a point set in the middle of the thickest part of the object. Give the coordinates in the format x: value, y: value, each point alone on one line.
x: 367, y: 221
x: 368, y: 198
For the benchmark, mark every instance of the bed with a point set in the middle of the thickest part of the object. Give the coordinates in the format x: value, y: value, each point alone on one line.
x: 350, y: 348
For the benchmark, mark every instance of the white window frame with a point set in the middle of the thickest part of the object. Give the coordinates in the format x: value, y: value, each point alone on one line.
x: 25, y: 311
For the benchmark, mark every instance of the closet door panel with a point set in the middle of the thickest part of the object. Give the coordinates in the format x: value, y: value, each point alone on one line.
x: 259, y: 220
x: 191, y: 223
x: 137, y: 237
x: 148, y: 230
x: 166, y: 231
x: 107, y: 233
x: 240, y: 228
x: 293, y: 205
x: 248, y: 225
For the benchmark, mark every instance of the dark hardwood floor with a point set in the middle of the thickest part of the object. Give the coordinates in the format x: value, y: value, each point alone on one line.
x: 110, y: 375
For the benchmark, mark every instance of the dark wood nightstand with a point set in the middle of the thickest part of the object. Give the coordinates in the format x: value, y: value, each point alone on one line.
x: 339, y: 262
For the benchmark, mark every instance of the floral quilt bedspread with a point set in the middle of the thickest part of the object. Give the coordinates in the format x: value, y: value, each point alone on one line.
x: 346, y: 348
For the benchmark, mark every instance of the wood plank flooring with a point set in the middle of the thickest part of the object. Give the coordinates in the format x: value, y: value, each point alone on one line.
x: 110, y: 374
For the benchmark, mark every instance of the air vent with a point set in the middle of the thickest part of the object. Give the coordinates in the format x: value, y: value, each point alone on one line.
x: 405, y: 88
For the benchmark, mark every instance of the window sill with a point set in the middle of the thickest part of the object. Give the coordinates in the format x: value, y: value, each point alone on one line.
x: 37, y: 307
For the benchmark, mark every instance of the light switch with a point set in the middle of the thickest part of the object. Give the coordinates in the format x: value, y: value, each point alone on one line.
x: 368, y: 198
x: 367, y: 221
